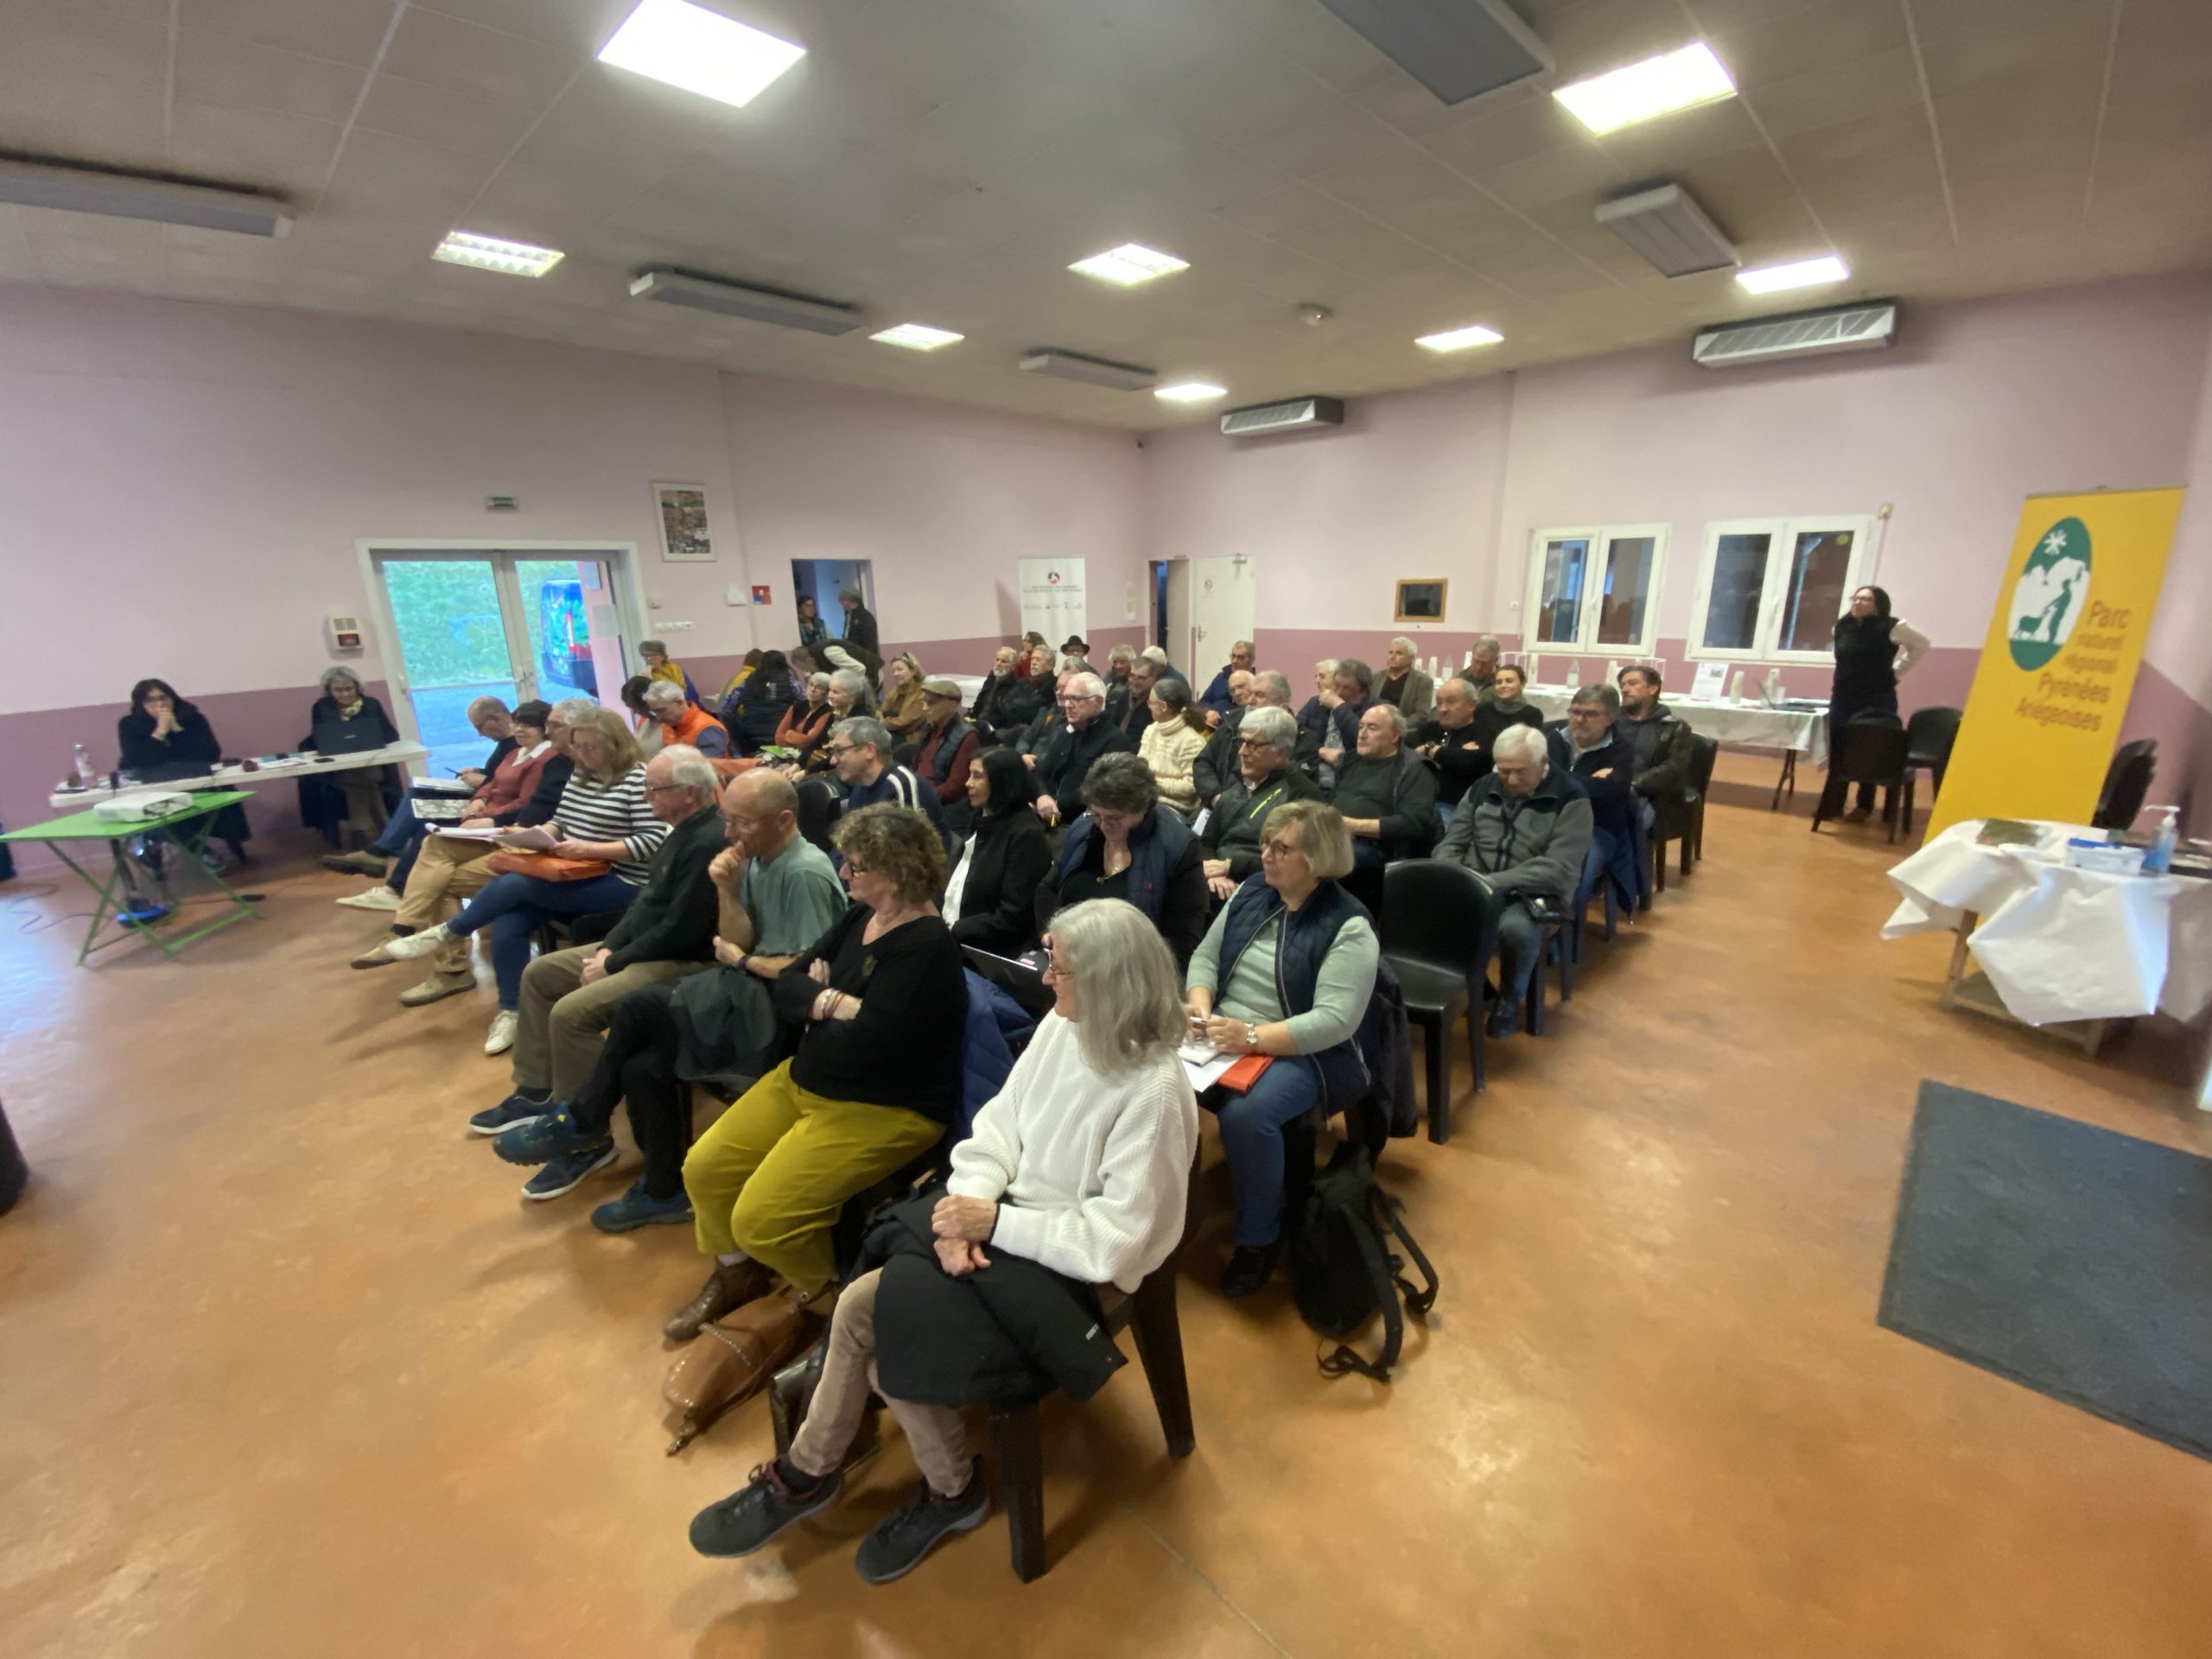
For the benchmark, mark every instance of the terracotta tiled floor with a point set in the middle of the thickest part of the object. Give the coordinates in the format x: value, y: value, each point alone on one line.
x: 286, y: 1367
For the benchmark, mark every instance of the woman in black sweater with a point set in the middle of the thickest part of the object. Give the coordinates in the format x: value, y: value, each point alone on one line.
x: 359, y: 798
x: 1007, y: 859
x: 164, y: 739
x: 883, y: 998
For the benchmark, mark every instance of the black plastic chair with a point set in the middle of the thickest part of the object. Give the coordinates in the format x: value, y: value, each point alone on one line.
x: 2128, y: 784
x: 1704, y: 752
x: 1578, y: 909
x: 1930, y: 736
x: 1867, y: 752
x: 1430, y: 919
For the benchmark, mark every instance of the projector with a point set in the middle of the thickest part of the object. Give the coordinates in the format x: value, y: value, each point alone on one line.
x: 141, y: 805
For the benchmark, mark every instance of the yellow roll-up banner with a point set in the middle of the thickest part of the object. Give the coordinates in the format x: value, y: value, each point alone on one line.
x: 2059, y: 665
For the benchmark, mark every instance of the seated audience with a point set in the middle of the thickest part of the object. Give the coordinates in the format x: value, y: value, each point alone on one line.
x: 1457, y: 740
x: 1220, y: 698
x: 1404, y: 687
x: 860, y: 750
x: 1157, y: 656
x: 775, y: 893
x: 163, y: 739
x: 1589, y: 744
x: 1035, y: 657
x: 605, y: 816
x: 726, y: 705
x: 1287, y: 969
x: 1129, y: 705
x: 1067, y: 756
x: 1006, y: 700
x: 805, y: 724
x: 1172, y: 742
x: 1482, y: 664
x: 1315, y: 713
x: 883, y: 996
x: 1352, y: 685
x: 686, y: 725
x: 757, y: 710
x: 1265, y: 779
x: 353, y: 804
x: 1385, y: 792
x: 660, y: 666
x: 1118, y: 663
x: 1074, y: 1177
x: 850, y: 699
x: 1050, y: 718
x: 1525, y: 830
x: 404, y: 830
x: 902, y: 706
x: 1660, y: 740
x: 948, y: 746
x: 1003, y: 862
x: 1215, y: 765
x: 1128, y: 846
x: 645, y: 724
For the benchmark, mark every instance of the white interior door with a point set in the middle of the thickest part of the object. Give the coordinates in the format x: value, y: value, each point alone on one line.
x: 1224, y: 607
x: 1178, y: 616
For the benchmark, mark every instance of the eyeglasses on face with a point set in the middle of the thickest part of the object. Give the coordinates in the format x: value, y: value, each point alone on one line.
x: 1278, y: 848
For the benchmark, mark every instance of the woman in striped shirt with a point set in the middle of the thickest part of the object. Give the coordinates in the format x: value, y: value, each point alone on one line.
x: 603, y: 815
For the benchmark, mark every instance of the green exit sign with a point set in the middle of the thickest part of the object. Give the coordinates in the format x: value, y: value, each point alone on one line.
x: 499, y: 503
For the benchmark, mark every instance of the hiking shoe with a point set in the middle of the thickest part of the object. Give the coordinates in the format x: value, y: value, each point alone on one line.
x: 436, y: 988
x: 638, y: 1208
x: 376, y: 898
x: 428, y: 943
x: 1504, y: 1020
x: 896, y: 1547
x: 568, y: 1172
x: 1251, y: 1266
x: 727, y: 1287
x: 758, y: 1511
x: 512, y: 1113
x: 551, y: 1133
x: 501, y: 1037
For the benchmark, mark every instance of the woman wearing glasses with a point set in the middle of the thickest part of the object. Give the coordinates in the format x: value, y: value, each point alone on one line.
x: 1073, y: 1179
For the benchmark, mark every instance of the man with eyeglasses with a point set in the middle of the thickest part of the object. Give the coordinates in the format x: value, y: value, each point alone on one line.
x: 1589, y: 744
x: 1265, y: 780
x: 1066, y: 760
x: 1217, y: 763
x: 859, y: 749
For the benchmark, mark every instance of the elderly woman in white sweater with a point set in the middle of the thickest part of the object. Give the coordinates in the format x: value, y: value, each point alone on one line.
x: 1080, y: 1166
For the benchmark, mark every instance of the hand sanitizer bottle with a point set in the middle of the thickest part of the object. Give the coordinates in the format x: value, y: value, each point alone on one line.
x: 2160, y: 858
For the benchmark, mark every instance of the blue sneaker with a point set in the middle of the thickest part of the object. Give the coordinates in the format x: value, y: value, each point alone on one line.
x: 546, y: 1136
x: 638, y: 1208
x: 512, y: 1113
x: 568, y: 1172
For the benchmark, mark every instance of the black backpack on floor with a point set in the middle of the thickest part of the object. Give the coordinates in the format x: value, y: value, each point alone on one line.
x: 1342, y: 1267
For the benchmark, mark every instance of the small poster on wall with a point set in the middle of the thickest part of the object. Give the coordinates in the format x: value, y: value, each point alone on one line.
x: 1052, y: 600
x: 680, y: 512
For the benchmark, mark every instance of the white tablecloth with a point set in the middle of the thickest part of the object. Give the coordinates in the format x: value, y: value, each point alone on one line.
x: 1739, y: 725
x: 403, y: 755
x: 2060, y: 943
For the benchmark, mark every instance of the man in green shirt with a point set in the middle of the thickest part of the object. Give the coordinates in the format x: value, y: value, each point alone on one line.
x: 777, y: 894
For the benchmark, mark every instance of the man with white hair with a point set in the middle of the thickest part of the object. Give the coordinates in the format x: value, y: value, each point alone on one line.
x: 1404, y: 687
x: 1219, y: 697
x: 683, y: 723
x: 1525, y: 830
x: 568, y: 997
x: 1067, y: 757
x: 1265, y: 779
x: 1216, y: 762
x: 1482, y: 664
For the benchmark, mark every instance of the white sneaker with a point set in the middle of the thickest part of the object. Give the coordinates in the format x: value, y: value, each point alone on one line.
x: 376, y: 898
x: 428, y: 943
x: 503, y: 1033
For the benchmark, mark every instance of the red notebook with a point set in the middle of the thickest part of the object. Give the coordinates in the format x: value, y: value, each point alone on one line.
x: 1241, y: 1076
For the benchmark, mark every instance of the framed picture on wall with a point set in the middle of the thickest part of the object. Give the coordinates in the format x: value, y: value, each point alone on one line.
x: 680, y: 513
x: 1422, y: 600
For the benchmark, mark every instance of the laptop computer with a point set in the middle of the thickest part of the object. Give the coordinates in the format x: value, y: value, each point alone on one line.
x: 346, y: 737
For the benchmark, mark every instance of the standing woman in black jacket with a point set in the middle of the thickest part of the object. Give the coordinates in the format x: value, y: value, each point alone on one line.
x: 1007, y: 859
x: 164, y: 738
x: 1873, y: 651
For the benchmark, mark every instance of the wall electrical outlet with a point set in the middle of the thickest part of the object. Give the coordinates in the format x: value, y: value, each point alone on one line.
x: 672, y: 628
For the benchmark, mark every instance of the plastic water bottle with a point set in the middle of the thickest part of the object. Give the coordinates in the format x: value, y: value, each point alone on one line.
x: 1736, y: 690
x: 2160, y: 858
x: 85, y: 776
x: 1774, y: 685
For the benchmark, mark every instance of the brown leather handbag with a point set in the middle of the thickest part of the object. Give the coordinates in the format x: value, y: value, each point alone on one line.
x: 733, y: 1358
x: 546, y: 866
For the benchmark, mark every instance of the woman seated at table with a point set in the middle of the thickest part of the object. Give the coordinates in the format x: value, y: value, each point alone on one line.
x: 604, y: 815
x: 1177, y: 735
x: 805, y: 724
x: 1128, y: 846
x: 902, y: 709
x: 353, y: 803
x: 1074, y: 1177
x: 883, y: 999
x: 1290, y: 931
x: 1005, y: 860
x: 165, y: 739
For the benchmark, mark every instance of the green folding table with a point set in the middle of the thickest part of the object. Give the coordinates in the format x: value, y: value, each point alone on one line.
x: 188, y: 830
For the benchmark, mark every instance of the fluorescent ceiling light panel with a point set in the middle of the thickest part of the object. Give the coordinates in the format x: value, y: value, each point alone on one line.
x: 699, y: 50
x: 1458, y: 339
x: 1804, y: 273
x: 1189, y: 392
x: 1091, y: 371
x: 1659, y: 85
x: 73, y: 187
x: 1130, y: 263
x: 919, y: 336
x: 490, y: 253
x: 751, y: 301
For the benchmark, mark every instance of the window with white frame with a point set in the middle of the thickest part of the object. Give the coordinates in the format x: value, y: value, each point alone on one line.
x: 1595, y: 589
x: 1768, y: 590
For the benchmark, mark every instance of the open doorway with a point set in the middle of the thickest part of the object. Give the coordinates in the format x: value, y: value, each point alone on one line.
x: 822, y: 580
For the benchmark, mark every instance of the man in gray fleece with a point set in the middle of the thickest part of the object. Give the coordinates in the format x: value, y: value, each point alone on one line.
x: 1525, y: 830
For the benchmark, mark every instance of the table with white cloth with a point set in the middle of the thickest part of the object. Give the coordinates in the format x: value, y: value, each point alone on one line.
x: 2064, y: 949
x: 1793, y: 732
x: 265, y: 771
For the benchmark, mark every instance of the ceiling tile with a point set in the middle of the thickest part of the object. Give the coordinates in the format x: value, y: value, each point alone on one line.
x: 2004, y: 210
x: 266, y: 148
x: 929, y: 49
x: 619, y: 130
x: 1294, y: 208
x: 1498, y: 136
x: 1971, y: 59
x: 2021, y: 129
x: 1596, y: 35
x: 481, y: 62
x: 215, y: 69
x: 87, y: 41
x: 1249, y: 95
x: 81, y: 117
x: 343, y: 31
x: 1759, y: 53
x: 1329, y: 133
x: 573, y: 25
x: 449, y: 121
x: 1653, y: 149
x: 1583, y: 173
x: 1821, y: 97
x: 1329, y: 49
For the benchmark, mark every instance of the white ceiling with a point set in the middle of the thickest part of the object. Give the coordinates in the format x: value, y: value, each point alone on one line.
x: 943, y: 161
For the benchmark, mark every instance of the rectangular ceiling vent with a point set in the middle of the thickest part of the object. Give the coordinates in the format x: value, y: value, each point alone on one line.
x: 747, y: 300
x: 1293, y: 416
x: 1668, y: 227
x: 1864, y: 327
x: 1457, y: 49
x: 1091, y: 371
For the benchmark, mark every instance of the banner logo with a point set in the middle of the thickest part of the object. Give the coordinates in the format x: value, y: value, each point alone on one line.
x: 2053, y: 588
